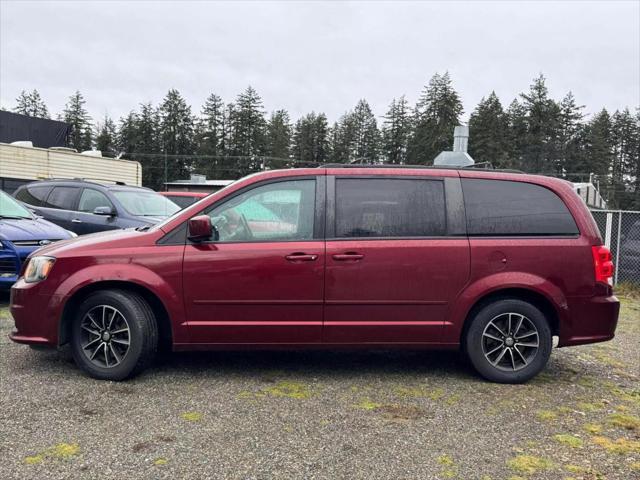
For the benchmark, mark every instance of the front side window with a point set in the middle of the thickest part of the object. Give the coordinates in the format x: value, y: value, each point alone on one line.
x: 278, y: 211
x: 63, y: 198
x: 507, y: 208
x: 144, y: 203
x: 92, y: 199
x: 383, y: 207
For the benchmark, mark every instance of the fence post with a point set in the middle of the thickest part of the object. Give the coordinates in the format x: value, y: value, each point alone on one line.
x: 617, y: 262
x: 607, y: 230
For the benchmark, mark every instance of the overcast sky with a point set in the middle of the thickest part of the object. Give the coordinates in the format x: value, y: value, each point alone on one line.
x: 305, y: 56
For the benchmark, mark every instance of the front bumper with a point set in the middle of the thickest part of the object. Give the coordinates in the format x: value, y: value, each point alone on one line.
x: 36, y: 315
x: 592, y: 320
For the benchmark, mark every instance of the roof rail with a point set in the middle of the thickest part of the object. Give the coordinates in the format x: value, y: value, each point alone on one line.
x: 431, y: 167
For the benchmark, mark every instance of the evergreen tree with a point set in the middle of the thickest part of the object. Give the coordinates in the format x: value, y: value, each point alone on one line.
x: 127, y: 135
x: 106, y: 139
x: 77, y: 116
x: 31, y: 104
x: 210, y: 137
x: 248, y: 131
x: 541, y: 150
x: 177, y: 132
x: 149, y: 147
x: 600, y: 145
x: 357, y: 138
x: 516, y: 133
x: 437, y: 113
x: 488, y: 133
x: 279, y: 132
x: 396, y: 131
x: 570, y: 149
x: 310, y: 139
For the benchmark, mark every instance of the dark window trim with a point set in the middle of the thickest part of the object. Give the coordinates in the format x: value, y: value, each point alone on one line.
x: 450, y: 234
x: 318, y: 221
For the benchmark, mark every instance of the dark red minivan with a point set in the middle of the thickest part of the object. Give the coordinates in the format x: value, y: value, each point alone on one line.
x: 492, y: 263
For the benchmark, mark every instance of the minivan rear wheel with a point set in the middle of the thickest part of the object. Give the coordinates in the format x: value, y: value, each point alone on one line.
x: 509, y: 341
x: 114, y: 335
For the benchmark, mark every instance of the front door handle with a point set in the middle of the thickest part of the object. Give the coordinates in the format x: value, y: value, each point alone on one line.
x: 301, y: 257
x: 76, y: 220
x: 349, y: 256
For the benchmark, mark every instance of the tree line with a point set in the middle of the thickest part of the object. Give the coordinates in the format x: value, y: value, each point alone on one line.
x: 534, y: 133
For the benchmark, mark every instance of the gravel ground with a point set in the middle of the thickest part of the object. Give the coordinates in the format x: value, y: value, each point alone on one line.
x: 385, y: 415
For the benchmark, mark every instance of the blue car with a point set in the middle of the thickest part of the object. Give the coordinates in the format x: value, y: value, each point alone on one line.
x: 21, y: 232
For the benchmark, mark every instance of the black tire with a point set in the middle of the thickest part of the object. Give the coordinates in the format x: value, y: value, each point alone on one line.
x: 484, y: 343
x: 134, y: 313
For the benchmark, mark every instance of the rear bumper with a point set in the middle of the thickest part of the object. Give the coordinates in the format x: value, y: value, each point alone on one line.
x: 592, y: 320
x: 36, y: 315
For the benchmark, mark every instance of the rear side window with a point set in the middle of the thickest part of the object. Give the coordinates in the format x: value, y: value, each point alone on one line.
x: 181, y: 201
x: 504, y: 208
x: 382, y: 207
x: 63, y: 198
x: 33, y: 195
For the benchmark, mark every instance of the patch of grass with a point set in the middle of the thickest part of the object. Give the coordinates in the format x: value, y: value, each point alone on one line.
x: 436, y: 394
x: 366, y: 404
x: 294, y: 390
x: 574, y: 469
x: 589, y: 406
x: 635, y: 466
x: 160, y: 461
x: 401, y: 412
x: 587, y: 381
x: 546, y: 415
x: 191, y: 416
x: 449, y: 469
x: 61, y: 451
x: 628, y: 422
x: 628, y: 290
x: 452, y: 400
x: 529, y: 464
x: 620, y: 446
x: 410, y: 392
x: 568, y: 440
x: 593, y: 428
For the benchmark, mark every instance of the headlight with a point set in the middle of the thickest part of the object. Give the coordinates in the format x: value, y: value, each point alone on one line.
x: 38, y: 269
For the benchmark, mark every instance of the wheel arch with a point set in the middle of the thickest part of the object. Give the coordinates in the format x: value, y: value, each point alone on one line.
x: 519, y: 293
x: 160, y: 311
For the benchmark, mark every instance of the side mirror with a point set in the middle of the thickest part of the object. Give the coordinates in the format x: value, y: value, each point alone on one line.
x: 108, y: 211
x: 201, y: 229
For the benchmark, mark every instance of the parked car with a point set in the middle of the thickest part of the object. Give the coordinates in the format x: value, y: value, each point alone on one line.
x: 184, y: 199
x: 21, y: 233
x: 489, y: 262
x: 88, y: 207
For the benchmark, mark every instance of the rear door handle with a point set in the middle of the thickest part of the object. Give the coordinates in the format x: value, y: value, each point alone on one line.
x: 301, y: 257
x: 76, y: 220
x: 349, y: 256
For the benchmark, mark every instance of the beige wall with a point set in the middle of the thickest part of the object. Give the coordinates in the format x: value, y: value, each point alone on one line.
x: 40, y: 163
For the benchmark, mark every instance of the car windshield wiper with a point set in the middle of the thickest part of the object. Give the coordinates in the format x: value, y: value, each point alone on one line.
x: 143, y: 228
x: 13, y: 217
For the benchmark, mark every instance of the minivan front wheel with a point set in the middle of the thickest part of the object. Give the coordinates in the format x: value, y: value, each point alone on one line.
x: 509, y: 341
x: 114, y: 335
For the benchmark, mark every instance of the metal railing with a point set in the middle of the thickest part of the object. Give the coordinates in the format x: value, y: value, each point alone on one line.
x: 620, y: 230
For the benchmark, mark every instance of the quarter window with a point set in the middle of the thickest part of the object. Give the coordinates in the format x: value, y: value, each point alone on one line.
x: 384, y: 207
x: 275, y: 212
x: 33, y: 195
x: 500, y: 207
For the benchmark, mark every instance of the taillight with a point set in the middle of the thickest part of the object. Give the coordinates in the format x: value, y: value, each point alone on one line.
x: 602, y: 264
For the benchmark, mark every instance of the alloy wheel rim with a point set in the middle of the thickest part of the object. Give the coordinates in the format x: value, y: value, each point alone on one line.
x: 105, y: 336
x: 510, y: 342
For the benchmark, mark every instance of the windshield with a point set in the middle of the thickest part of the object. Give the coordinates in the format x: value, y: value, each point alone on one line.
x: 11, y: 208
x: 145, y: 204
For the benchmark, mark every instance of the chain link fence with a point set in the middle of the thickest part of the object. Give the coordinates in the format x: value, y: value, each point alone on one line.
x: 620, y: 231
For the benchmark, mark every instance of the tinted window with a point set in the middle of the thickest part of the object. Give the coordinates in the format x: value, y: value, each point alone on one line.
x: 33, y: 195
x: 498, y: 207
x: 389, y: 208
x: 92, y: 199
x: 145, y: 203
x: 63, y: 198
x: 182, y: 201
x: 277, y: 211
